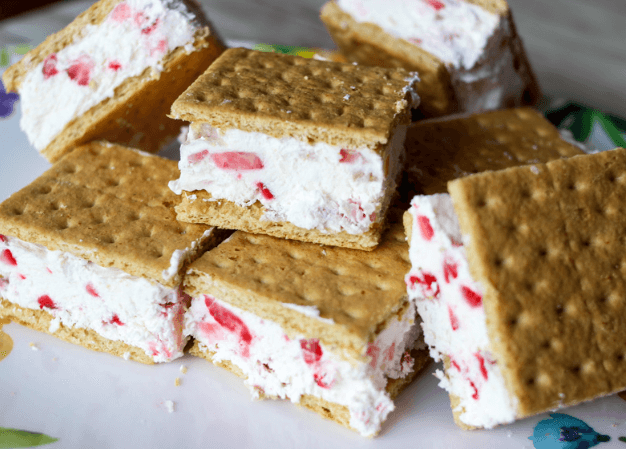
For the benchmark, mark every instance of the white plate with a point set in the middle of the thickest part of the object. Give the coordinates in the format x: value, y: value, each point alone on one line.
x: 94, y: 400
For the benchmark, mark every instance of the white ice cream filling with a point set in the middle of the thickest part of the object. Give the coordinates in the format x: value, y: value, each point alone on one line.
x: 314, y: 186
x: 449, y: 302
x: 135, y: 36
x: 281, y: 367
x: 78, y: 293
x: 454, y: 31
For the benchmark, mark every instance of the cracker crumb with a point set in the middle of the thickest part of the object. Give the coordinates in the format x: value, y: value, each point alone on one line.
x: 169, y: 405
x: 33, y: 346
x: 306, y: 77
x: 183, y: 369
x: 177, y: 382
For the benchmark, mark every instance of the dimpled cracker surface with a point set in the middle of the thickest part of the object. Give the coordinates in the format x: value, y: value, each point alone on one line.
x: 441, y: 150
x: 110, y: 205
x: 198, y: 207
x: 284, y: 95
x: 358, y: 290
x: 329, y: 410
x: 547, y: 243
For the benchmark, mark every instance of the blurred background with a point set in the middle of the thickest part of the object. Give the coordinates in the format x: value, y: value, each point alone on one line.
x: 577, y: 47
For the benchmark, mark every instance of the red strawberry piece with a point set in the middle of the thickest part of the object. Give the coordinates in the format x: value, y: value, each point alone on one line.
x: 348, y: 156
x: 91, y: 290
x: 454, y: 320
x: 373, y: 217
x: 48, y: 270
x: 450, y: 269
x: 264, y: 191
x: 21, y: 276
x: 237, y: 160
x: 7, y: 257
x: 323, y: 380
x: 80, y: 70
x: 161, y: 47
x: 436, y: 4
x: 121, y: 12
x: 46, y: 301
x: 151, y: 28
x: 116, y: 320
x: 471, y: 297
x: 373, y: 351
x: 427, y: 282
x: 140, y: 19
x: 311, y: 350
x: 425, y: 228
x: 391, y: 350
x: 231, y: 322
x: 473, y: 385
x: 50, y: 66
x: 115, y: 65
x: 197, y: 157
x: 2, y: 238
x: 454, y: 364
x: 481, y: 362
x: 153, y: 348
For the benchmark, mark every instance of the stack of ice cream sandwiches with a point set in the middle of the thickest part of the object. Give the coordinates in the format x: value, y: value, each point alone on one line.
x: 276, y: 249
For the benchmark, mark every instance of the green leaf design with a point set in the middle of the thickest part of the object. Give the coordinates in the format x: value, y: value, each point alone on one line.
x: 22, y: 49
x: 613, y: 132
x: 4, y: 57
x: 13, y: 438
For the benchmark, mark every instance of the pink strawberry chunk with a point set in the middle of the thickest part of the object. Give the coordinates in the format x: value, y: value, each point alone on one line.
x: 425, y: 227
x: 311, y: 350
x: 50, y: 66
x: 46, y: 301
x: 231, y: 322
x: 237, y: 160
x: 80, y: 70
x: 471, y: 297
x: 436, y: 4
x: 264, y: 191
x: 7, y: 257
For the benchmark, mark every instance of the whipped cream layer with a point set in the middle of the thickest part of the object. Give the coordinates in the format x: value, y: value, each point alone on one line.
x: 78, y: 293
x: 136, y: 35
x: 449, y: 302
x: 452, y: 30
x: 278, y: 366
x: 314, y: 186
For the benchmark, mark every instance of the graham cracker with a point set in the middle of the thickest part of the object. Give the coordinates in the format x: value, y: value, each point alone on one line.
x: 359, y: 291
x: 134, y: 116
x: 199, y: 207
x: 39, y: 320
x: 290, y: 96
x: 329, y: 410
x: 440, y: 150
x: 367, y: 43
x: 109, y: 205
x: 546, y: 242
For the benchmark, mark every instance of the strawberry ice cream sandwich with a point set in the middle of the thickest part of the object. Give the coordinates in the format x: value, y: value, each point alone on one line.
x: 467, y: 52
x: 329, y: 328
x: 517, y: 279
x: 90, y: 253
x: 97, y: 78
x: 291, y: 147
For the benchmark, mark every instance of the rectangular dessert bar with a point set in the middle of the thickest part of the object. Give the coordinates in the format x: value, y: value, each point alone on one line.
x: 96, y: 78
x: 509, y: 271
x: 90, y: 252
x: 292, y: 147
x: 467, y: 52
x: 328, y: 328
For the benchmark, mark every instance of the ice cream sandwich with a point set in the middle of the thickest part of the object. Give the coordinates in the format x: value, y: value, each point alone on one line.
x: 91, y: 252
x: 292, y: 147
x: 467, y: 52
x: 112, y: 74
x: 328, y: 328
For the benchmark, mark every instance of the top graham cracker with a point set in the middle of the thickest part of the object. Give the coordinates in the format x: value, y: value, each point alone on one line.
x: 548, y: 243
x: 109, y: 205
x: 440, y: 150
x: 290, y: 96
x: 359, y: 291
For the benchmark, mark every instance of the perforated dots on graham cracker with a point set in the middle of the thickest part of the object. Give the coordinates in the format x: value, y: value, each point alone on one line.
x: 444, y: 149
x: 284, y: 95
x: 548, y: 247
x: 110, y: 205
x: 359, y: 291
